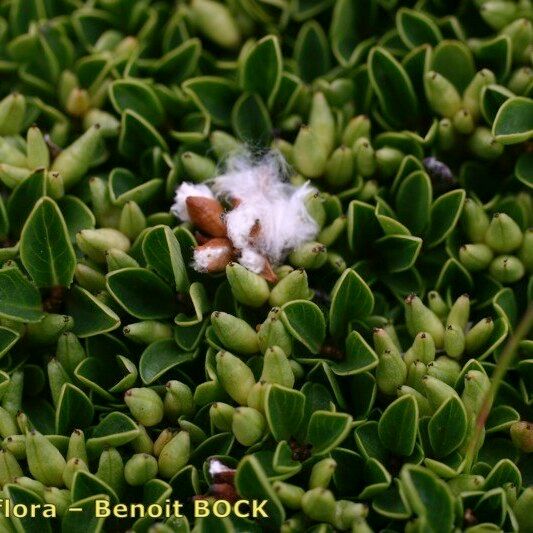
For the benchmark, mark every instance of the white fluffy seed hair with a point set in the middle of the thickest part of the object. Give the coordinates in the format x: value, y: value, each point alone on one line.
x: 186, y: 189
x: 203, y: 258
x: 217, y: 467
x: 265, y: 200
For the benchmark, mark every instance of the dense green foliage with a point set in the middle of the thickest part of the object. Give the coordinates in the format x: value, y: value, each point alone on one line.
x: 365, y: 384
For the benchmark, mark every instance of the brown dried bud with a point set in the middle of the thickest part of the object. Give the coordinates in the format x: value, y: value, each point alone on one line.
x: 206, y: 215
x: 268, y: 273
x: 213, y: 256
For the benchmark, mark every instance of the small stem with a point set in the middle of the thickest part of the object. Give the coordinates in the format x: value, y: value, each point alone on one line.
x: 502, y: 366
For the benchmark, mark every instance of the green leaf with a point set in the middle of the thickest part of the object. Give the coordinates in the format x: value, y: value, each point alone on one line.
x: 219, y: 444
x: 162, y: 252
x: 398, y: 252
x: 284, y: 410
x: 514, y: 121
x: 180, y: 62
x: 8, y: 338
x: 416, y: 28
x: 26, y: 498
x: 159, y: 357
x: 19, y: 298
x: 390, y: 504
x: 492, y: 506
x: 445, y: 213
x: 283, y: 462
x: 311, y: 52
x: 304, y: 9
x: 348, y: 289
x: 250, y: 120
x: 491, y: 98
x: 393, y: 89
x: 251, y: 483
x: 504, y: 471
x: 135, y: 95
x: 429, y: 497
x: 85, y: 485
x: 454, y: 61
x: 501, y: 418
x: 447, y: 427
x: 214, y: 95
x: 413, y: 201
x: 200, y: 304
x: 45, y: 248
x: 454, y: 276
x: 23, y: 199
x: 363, y: 227
x: 113, y: 430
x: 74, y: 410
x: 305, y: 322
x: 327, y: 430
x: 496, y: 55
x: 76, y: 214
x: 524, y: 169
x: 125, y: 187
x: 398, y: 426
x: 261, y: 69
x: 91, y: 316
x: 142, y: 293
x: 84, y: 519
x: 352, y: 22
x: 358, y: 357
x: 138, y: 134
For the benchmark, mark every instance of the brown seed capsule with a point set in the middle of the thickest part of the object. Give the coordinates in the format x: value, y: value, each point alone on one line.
x: 206, y: 215
x: 268, y: 273
x: 213, y: 256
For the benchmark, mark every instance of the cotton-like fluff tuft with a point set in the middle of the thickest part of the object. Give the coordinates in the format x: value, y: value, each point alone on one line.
x: 270, y: 218
x: 217, y: 467
x: 212, y: 256
x: 252, y: 260
x: 186, y: 189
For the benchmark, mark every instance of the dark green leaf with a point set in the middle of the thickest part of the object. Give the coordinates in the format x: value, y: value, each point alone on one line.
x: 45, y: 248
x: 305, y: 322
x: 327, y: 430
x: 91, y: 316
x: 162, y: 252
x: 74, y: 410
x: 160, y: 357
x: 19, y: 299
x: 416, y: 28
x: 348, y: 289
x: 252, y: 483
x: 311, y: 52
x: 86, y: 520
x: 429, y: 497
x: 261, y: 69
x: 137, y: 96
x: 447, y: 427
x: 398, y: 426
x: 8, y: 338
x: 113, y: 430
x: 24, y: 497
x: 514, y: 121
x: 413, y: 202
x: 250, y: 120
x: 445, y: 213
x: 393, y: 89
x: 23, y: 199
x: 142, y: 293
x: 215, y: 95
x: 352, y: 21
x: 284, y: 409
x: 398, y: 252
